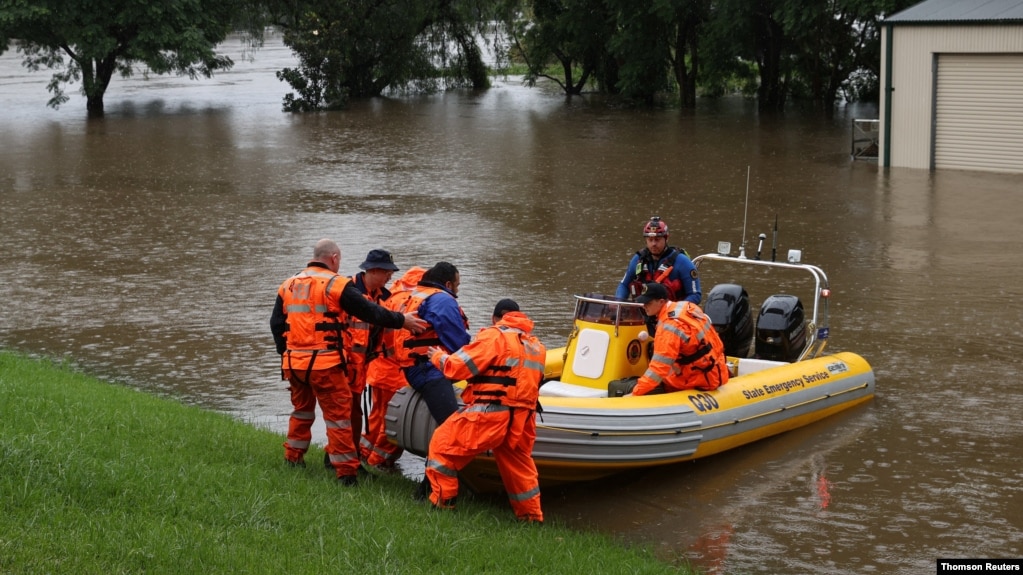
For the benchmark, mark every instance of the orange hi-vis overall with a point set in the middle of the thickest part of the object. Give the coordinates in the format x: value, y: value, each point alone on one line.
x: 314, y: 365
x: 358, y: 341
x: 503, y: 369
x: 384, y: 377
x: 688, y: 354
x: 357, y: 345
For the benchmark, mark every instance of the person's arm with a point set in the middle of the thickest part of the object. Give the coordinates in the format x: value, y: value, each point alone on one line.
x: 441, y: 311
x: 468, y: 360
x: 660, y: 364
x: 278, y: 322
x: 686, y: 273
x: 622, y: 292
x: 353, y: 302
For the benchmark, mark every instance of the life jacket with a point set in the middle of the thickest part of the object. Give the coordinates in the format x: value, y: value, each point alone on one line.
x: 513, y: 380
x: 383, y: 372
x: 361, y: 336
x: 700, y: 359
x: 407, y: 348
x: 314, y: 321
x: 649, y: 270
x: 401, y: 290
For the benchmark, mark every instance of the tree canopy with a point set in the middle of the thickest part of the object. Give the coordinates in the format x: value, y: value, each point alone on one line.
x: 807, y: 49
x: 810, y: 50
x: 359, y: 48
x: 90, y: 40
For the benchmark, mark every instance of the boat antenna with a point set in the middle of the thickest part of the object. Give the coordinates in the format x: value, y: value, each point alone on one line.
x: 745, y: 212
x: 774, y: 245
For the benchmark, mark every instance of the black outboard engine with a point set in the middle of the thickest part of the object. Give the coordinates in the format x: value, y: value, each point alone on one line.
x: 781, y: 331
x: 729, y: 310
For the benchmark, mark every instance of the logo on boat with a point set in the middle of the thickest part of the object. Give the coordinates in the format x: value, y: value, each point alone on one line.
x: 838, y: 367
x: 634, y: 351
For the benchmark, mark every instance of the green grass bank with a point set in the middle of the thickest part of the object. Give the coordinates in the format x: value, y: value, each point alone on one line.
x: 98, y: 478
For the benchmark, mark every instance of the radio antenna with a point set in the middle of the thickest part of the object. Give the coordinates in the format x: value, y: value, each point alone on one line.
x: 745, y: 212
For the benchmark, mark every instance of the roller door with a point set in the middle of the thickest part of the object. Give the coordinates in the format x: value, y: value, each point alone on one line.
x: 978, y: 116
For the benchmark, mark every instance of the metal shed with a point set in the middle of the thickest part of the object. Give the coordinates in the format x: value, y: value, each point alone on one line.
x: 952, y: 86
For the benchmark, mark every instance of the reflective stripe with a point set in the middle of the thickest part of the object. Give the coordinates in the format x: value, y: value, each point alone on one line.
x: 662, y: 358
x: 298, y: 308
x: 442, y: 469
x: 310, y: 415
x: 671, y: 328
x: 534, y: 365
x: 295, y: 444
x: 486, y: 408
x: 525, y: 495
x: 342, y: 458
x: 342, y: 424
x: 469, y: 364
x: 653, y: 376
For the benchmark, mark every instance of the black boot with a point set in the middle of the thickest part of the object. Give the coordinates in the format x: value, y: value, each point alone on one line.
x: 423, y: 490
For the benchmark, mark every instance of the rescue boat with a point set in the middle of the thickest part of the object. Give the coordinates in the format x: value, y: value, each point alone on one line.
x: 589, y: 428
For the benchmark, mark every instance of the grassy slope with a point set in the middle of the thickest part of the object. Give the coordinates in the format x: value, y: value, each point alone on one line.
x: 99, y: 478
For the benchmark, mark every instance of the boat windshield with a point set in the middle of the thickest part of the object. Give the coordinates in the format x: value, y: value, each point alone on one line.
x: 599, y: 308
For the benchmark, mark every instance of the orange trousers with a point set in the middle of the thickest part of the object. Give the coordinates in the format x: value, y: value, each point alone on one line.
x: 328, y: 387
x: 357, y: 383
x: 508, y: 433
x: 376, y: 449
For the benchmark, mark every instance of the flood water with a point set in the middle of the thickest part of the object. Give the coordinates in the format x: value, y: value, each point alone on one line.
x: 146, y: 247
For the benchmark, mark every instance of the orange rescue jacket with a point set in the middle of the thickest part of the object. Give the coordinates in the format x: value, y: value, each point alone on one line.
x: 383, y: 371
x: 359, y: 333
x: 314, y: 320
x: 404, y: 346
x: 504, y: 365
x: 688, y: 354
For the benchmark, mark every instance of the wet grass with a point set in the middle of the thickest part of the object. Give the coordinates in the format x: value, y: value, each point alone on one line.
x: 97, y: 478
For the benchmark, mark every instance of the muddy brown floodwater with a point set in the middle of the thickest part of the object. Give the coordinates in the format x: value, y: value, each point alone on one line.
x: 147, y: 247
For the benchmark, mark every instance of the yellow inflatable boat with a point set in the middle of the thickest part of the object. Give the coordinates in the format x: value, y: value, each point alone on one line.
x: 589, y: 428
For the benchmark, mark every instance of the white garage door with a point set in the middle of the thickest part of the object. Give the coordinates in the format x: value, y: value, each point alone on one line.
x: 978, y: 122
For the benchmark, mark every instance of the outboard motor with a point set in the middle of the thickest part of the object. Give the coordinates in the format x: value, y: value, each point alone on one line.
x: 729, y: 310
x: 781, y: 331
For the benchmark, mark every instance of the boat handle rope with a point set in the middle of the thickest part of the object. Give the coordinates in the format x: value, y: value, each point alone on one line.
x: 699, y: 429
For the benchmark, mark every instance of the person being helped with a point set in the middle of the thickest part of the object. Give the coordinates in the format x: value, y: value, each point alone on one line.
x: 308, y: 323
x: 503, y: 369
x: 434, y: 300
x: 658, y: 262
x: 363, y: 337
x: 688, y: 354
x: 384, y: 378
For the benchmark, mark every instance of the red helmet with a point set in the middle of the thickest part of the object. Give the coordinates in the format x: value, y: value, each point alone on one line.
x: 655, y: 228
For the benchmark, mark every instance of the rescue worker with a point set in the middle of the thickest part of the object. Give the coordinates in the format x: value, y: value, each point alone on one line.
x: 688, y: 354
x: 503, y: 369
x: 384, y: 377
x: 658, y: 262
x: 363, y: 336
x: 434, y: 301
x: 307, y: 323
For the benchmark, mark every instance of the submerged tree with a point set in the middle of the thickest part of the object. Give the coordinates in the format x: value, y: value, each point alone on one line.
x: 89, y: 41
x: 569, y: 35
x: 360, y: 48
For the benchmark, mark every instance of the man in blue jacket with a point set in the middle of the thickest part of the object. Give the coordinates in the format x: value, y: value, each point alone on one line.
x: 660, y: 263
x: 448, y: 329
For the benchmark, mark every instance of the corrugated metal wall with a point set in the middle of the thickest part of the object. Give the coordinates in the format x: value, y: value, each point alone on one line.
x: 979, y: 112
x: 913, y: 80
